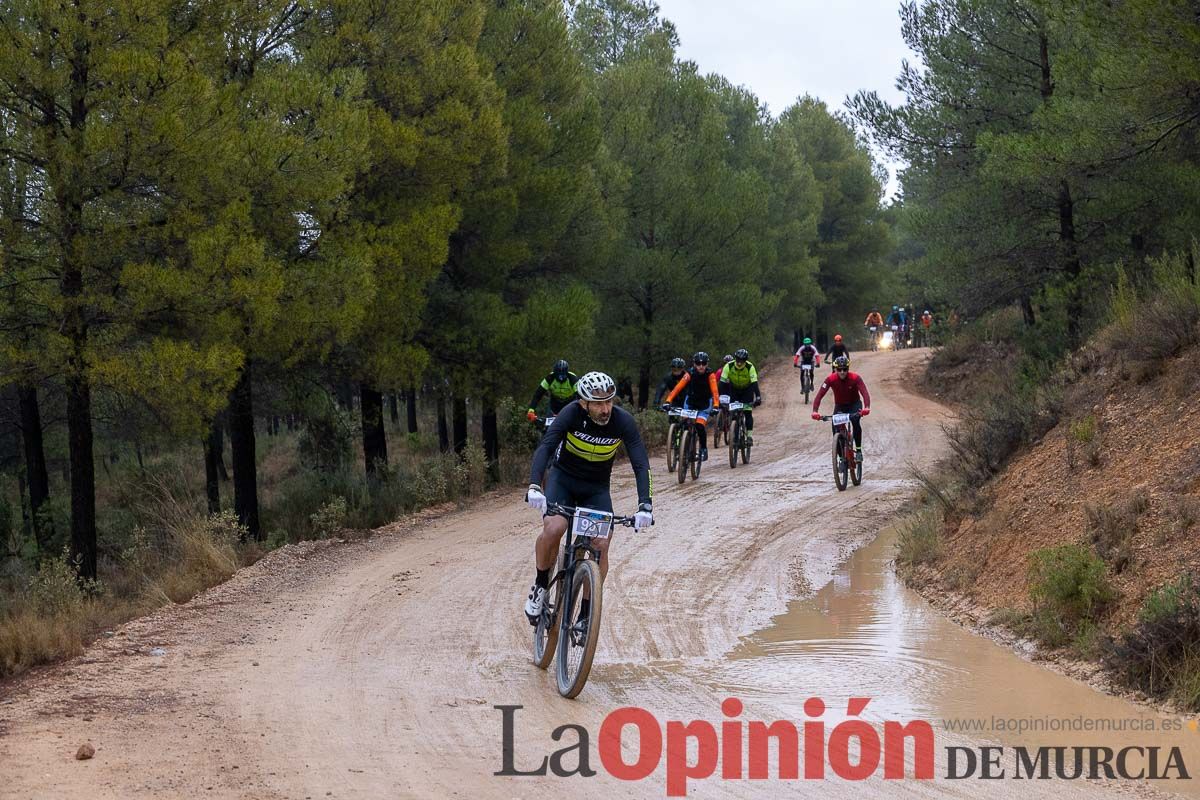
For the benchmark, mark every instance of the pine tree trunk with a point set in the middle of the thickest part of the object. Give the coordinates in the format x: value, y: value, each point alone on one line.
x: 443, y: 430
x: 212, y: 478
x: 83, y: 474
x: 394, y: 408
x: 410, y: 408
x: 217, y: 434
x: 374, y: 438
x: 241, y: 438
x: 37, y: 479
x: 460, y: 425
x: 344, y: 392
x: 491, y: 438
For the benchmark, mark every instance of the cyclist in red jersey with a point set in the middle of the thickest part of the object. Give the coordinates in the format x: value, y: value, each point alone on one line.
x: 847, y: 387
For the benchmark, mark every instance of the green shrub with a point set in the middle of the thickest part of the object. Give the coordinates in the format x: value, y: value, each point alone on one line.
x: 1162, y: 321
x: 1068, y: 586
x: 1160, y: 654
x: 55, y: 589
x: 1083, y: 430
x: 652, y: 425
x: 329, y: 518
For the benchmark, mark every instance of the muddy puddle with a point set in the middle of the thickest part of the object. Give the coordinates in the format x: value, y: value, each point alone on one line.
x: 865, y: 635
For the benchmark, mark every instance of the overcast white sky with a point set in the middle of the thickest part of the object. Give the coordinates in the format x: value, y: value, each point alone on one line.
x: 782, y: 49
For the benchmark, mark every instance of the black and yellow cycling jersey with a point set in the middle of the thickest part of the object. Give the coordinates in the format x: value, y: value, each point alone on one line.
x: 561, y: 391
x: 584, y: 449
x: 740, y: 377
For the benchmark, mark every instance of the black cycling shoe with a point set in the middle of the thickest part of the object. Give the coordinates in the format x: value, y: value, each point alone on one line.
x: 704, y: 454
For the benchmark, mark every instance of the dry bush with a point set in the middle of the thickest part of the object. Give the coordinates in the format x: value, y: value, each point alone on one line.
x: 1111, y: 527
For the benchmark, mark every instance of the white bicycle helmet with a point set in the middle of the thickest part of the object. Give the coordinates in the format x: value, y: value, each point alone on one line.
x: 596, y: 386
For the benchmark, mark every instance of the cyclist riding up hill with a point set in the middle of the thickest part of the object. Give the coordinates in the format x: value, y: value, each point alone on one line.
x: 874, y: 318
x: 847, y: 389
x: 807, y: 354
x: 741, y: 378
x: 698, y: 387
x: 678, y: 365
x: 839, y: 349
x: 580, y: 448
x: 559, y: 384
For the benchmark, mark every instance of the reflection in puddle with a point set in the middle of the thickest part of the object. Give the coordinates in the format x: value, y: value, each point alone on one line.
x: 865, y: 635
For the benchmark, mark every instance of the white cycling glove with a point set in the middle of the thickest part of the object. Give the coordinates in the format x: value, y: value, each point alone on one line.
x: 535, y: 498
x: 643, y: 518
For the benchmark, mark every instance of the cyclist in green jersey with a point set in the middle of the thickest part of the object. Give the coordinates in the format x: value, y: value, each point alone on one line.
x: 559, y: 385
x: 739, y: 380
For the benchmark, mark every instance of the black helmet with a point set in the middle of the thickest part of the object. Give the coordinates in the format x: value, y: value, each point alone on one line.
x: 678, y: 363
x: 841, y: 362
x: 700, y: 358
x: 741, y: 354
x: 561, y: 367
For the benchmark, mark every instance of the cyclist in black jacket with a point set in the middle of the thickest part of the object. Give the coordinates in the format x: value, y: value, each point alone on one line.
x: 678, y: 365
x: 580, y: 448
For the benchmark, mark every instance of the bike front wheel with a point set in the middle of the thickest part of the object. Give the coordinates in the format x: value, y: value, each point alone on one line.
x: 839, y: 463
x: 545, y: 633
x: 578, y: 635
x: 672, y: 446
x: 735, y: 431
x: 687, y: 450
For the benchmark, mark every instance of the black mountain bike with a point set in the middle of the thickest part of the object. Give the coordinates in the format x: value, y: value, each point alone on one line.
x: 739, y: 443
x: 845, y: 465
x: 689, y: 446
x: 561, y: 627
x: 806, y: 380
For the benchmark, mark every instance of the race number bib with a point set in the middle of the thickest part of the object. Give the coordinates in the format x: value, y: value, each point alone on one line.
x: 841, y: 419
x: 592, y: 523
x: 736, y: 406
x: 688, y: 413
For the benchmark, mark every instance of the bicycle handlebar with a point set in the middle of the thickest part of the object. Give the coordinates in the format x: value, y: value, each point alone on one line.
x: 569, y: 511
x: 855, y: 415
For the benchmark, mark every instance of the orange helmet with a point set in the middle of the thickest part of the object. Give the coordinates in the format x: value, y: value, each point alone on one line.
x: 837, y: 338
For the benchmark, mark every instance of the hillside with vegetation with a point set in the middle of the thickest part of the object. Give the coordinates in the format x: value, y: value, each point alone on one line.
x: 1051, y: 210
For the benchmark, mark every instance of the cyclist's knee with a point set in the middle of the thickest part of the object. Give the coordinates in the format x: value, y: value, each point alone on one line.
x: 554, y: 527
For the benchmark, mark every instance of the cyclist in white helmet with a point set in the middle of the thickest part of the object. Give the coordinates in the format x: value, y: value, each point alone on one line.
x: 580, y: 448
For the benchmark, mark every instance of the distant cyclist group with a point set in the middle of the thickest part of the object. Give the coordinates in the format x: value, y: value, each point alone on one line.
x: 900, y: 329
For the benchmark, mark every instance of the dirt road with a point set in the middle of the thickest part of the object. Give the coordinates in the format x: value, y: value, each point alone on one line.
x: 372, y: 669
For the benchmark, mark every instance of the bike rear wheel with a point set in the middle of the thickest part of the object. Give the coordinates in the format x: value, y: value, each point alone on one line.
x: 545, y: 633
x: 577, y: 637
x: 672, y: 446
x: 687, y: 452
x: 839, y: 463
x: 718, y: 428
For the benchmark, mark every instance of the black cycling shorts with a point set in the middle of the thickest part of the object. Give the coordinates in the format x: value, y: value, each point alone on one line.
x: 566, y: 490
